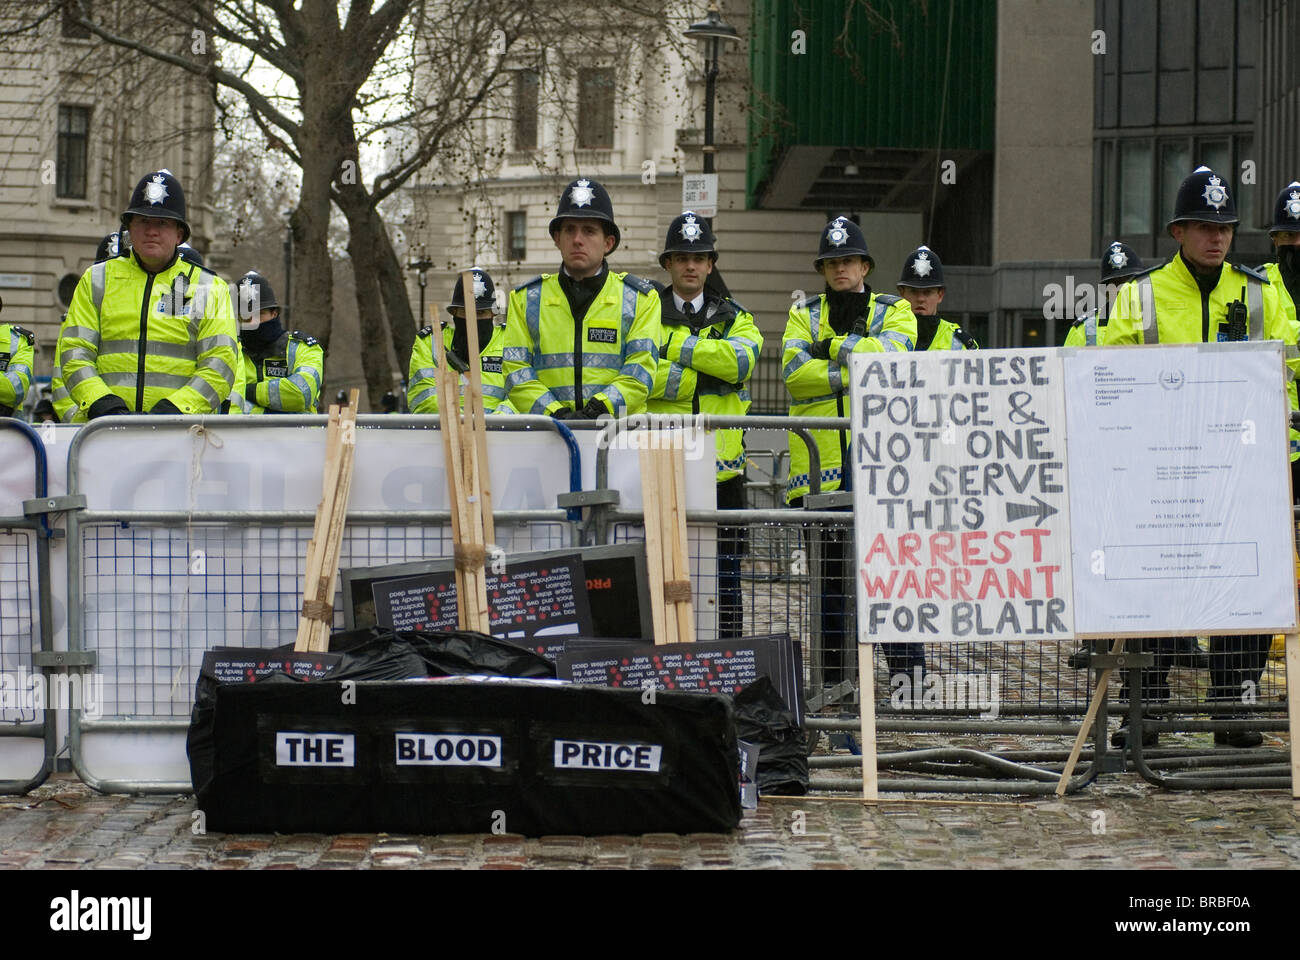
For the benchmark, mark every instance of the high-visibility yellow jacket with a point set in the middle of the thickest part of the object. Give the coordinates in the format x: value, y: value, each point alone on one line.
x: 17, y: 354
x: 818, y: 388
x: 1166, y: 306
x: 611, y: 354
x: 236, y: 402
x: 285, y: 379
x: 422, y: 377
x: 949, y: 336
x: 144, y: 337
x: 705, y: 369
x: 1086, y: 332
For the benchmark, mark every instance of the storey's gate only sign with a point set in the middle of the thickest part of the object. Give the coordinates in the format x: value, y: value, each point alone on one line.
x: 958, y: 467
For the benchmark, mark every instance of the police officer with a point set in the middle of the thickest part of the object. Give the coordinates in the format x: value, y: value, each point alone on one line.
x: 1196, y: 298
x: 921, y: 285
x: 17, y: 353
x: 422, y: 378
x: 1284, y: 275
x: 710, y: 348
x: 148, y: 332
x: 583, y: 342
x: 820, y: 335
x: 1119, y: 264
x: 283, y: 369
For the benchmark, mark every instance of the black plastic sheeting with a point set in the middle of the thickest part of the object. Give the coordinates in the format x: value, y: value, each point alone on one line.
x: 762, y: 718
x: 457, y: 756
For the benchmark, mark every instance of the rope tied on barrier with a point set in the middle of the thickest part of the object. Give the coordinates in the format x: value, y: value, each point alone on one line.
x: 677, y: 591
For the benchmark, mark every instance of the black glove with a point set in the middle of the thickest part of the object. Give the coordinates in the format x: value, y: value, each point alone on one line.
x: 165, y: 408
x: 456, y: 363
x: 108, y: 406
x: 564, y: 413
x: 594, y: 410
x: 820, y: 350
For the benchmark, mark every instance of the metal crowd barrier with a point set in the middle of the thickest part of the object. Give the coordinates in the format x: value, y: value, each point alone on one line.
x: 151, y: 590
x: 149, y: 632
x: 26, y: 627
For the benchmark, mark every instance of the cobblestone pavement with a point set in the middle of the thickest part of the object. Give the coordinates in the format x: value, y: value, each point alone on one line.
x: 1120, y: 822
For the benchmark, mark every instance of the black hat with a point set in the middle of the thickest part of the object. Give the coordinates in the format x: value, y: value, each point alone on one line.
x: 253, y: 294
x: 158, y: 195
x: 1204, y: 196
x: 190, y: 255
x: 485, y: 294
x: 1286, y: 211
x: 586, y: 199
x: 1120, y: 262
x: 688, y: 233
x: 113, y: 245
x: 842, y: 238
x: 923, y: 270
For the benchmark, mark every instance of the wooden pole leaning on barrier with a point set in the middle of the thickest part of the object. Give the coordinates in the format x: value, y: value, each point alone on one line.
x: 466, y: 471
x: 867, y: 720
x: 1293, y: 707
x: 1088, y: 721
x: 326, y: 544
x: 663, y: 496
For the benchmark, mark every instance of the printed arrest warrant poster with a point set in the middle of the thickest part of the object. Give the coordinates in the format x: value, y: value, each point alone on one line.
x: 958, y: 467
x: 1179, y: 486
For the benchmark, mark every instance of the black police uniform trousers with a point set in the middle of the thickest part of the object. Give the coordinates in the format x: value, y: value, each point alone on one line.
x: 731, y: 547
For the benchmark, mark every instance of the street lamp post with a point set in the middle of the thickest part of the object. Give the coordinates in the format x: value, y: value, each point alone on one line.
x: 712, y: 32
x: 422, y: 265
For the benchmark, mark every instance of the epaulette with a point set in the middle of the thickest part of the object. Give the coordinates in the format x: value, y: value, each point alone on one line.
x: 1255, y: 272
x: 426, y: 330
x: 299, y: 335
x: 961, y: 336
x: 1141, y: 273
x: 192, y: 266
x: 735, y: 305
x: 1081, y: 319
x: 807, y: 302
x: 887, y: 298
x: 23, y: 332
x: 533, y: 282
x: 636, y: 283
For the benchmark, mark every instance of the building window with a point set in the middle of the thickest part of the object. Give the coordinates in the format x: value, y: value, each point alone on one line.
x: 596, y: 110
x: 516, y: 236
x: 71, y: 29
x: 74, y: 124
x: 525, y: 115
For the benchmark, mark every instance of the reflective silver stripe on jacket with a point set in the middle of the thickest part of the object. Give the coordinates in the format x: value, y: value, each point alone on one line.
x: 1147, y: 297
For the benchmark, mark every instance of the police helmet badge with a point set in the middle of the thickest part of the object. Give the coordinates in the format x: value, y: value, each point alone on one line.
x: 581, y: 195
x: 690, y: 229
x: 155, y: 191
x: 1118, y: 258
x: 922, y: 266
x: 480, y: 288
x: 1215, y: 194
x: 114, y: 247
x: 837, y: 236
x: 1293, y: 205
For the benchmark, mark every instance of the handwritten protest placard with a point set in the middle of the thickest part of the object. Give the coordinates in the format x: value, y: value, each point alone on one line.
x: 959, y: 481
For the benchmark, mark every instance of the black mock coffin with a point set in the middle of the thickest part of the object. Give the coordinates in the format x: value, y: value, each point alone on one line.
x: 463, y: 756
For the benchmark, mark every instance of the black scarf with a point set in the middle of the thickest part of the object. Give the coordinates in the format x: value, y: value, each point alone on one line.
x: 261, y: 341
x: 846, y: 307
x: 581, y: 294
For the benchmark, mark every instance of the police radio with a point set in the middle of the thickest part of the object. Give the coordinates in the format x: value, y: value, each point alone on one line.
x: 1233, y: 326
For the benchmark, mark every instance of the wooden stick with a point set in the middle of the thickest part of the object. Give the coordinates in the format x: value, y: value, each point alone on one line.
x: 338, y: 519
x: 653, y: 547
x: 1088, y: 721
x: 474, y: 409
x: 681, y: 546
x: 1293, y: 707
x: 315, y: 546
x: 867, y: 721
